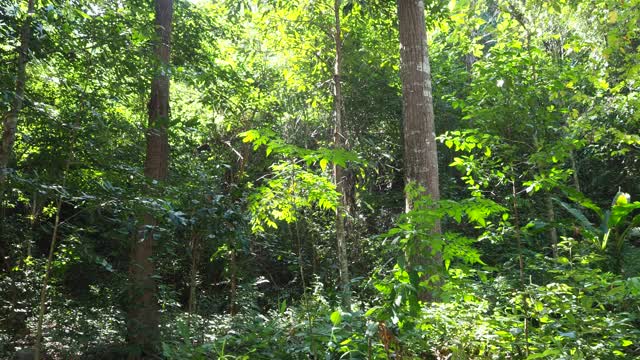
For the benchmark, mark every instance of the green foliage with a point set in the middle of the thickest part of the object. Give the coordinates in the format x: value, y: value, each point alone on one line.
x: 536, y: 106
x: 414, y: 236
x: 276, y: 145
x: 290, y: 190
x: 617, y: 225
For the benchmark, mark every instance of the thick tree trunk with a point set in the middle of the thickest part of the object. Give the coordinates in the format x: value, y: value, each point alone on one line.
x: 143, y: 331
x: 10, y: 122
x: 340, y: 174
x: 420, y: 152
x: 421, y: 160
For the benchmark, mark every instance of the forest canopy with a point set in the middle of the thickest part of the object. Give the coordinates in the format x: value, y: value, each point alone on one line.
x: 320, y: 179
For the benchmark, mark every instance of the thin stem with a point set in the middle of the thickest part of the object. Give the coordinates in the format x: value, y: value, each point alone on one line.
x: 47, y: 275
x: 525, y: 306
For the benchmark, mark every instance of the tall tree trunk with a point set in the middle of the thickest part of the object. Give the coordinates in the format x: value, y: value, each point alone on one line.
x: 143, y: 332
x: 10, y: 122
x: 420, y: 152
x: 340, y: 174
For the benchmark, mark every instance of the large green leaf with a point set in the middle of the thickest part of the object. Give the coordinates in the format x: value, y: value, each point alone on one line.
x: 578, y: 215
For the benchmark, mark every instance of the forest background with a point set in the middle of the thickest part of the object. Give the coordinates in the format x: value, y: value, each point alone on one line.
x: 303, y: 179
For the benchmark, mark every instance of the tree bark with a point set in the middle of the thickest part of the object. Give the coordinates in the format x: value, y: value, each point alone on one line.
x: 10, y: 122
x: 143, y: 328
x: 340, y: 174
x: 420, y: 152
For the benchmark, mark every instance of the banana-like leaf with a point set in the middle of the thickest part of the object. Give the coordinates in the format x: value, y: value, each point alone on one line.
x: 579, y: 198
x: 620, y: 212
x: 578, y: 215
x: 605, y: 239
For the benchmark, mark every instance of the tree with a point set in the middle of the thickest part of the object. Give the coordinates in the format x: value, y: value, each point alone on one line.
x: 341, y: 176
x: 420, y: 152
x: 143, y: 313
x: 10, y: 122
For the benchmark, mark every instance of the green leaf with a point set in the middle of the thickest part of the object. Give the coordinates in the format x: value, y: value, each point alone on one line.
x: 371, y: 311
x: 487, y: 152
x: 336, y: 318
x: 605, y: 239
x: 323, y: 164
x: 249, y: 136
x: 578, y: 215
x: 548, y: 352
x: 538, y: 306
x: 83, y: 14
x: 619, y: 212
x: 581, y: 199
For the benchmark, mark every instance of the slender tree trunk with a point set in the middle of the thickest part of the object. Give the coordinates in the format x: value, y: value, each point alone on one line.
x: 420, y: 152
x: 340, y: 174
x: 233, y: 294
x: 37, y: 347
x: 574, y: 167
x: 551, y: 218
x: 10, y: 122
x: 470, y: 58
x: 518, y: 234
x: 32, y: 222
x: 143, y: 328
x: 548, y: 203
x: 193, y: 277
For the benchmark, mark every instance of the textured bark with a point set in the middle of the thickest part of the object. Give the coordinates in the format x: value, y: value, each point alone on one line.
x: 143, y: 331
x: 340, y: 174
x: 10, y: 122
x: 420, y: 152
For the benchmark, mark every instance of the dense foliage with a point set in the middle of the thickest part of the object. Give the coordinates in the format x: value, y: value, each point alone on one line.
x: 537, y: 112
